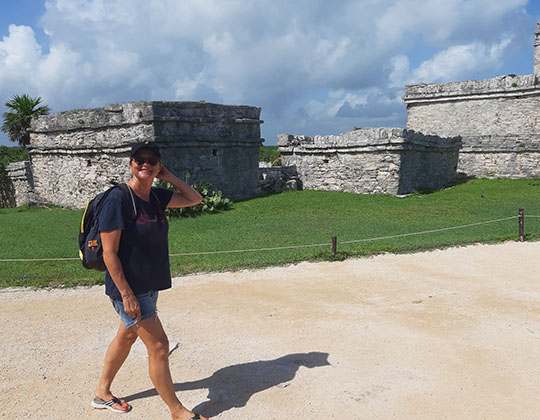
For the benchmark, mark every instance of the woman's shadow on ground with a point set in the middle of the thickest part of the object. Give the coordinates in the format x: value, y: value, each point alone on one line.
x: 233, y: 386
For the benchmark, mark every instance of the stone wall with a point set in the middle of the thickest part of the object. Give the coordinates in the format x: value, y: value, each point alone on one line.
x: 76, y: 154
x: 370, y: 160
x: 501, y: 156
x: 537, y: 50
x: 16, y: 185
x: 498, y: 120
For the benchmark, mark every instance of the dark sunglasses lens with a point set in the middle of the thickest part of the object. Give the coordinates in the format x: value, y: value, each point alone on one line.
x: 151, y: 161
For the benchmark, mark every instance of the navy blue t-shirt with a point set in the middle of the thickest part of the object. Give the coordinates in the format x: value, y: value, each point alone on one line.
x: 144, y: 245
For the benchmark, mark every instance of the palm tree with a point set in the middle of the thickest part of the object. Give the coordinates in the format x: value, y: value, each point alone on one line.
x: 17, y: 121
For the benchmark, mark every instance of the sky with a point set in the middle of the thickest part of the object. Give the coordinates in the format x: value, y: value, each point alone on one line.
x: 315, y: 67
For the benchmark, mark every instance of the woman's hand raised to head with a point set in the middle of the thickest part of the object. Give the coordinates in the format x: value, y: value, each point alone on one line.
x: 163, y: 174
x: 186, y: 195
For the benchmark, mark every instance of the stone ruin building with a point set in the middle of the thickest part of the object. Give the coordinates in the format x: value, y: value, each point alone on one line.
x: 481, y: 128
x: 370, y: 161
x: 16, y: 185
x: 76, y: 154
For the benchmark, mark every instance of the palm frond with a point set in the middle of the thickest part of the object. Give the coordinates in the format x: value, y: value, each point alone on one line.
x: 17, y: 122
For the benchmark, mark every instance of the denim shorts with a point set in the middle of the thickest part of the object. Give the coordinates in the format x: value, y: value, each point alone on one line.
x: 147, y: 302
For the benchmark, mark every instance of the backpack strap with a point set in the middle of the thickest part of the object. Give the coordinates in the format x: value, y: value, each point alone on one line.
x: 129, y: 197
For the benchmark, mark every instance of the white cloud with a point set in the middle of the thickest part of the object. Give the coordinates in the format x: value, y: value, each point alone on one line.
x: 400, y: 72
x: 460, y: 62
x: 440, y: 21
x: 187, y: 88
x: 19, y: 53
x: 310, y: 64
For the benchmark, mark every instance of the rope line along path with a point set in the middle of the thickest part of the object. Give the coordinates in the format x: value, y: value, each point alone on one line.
x: 380, y: 238
x: 430, y: 231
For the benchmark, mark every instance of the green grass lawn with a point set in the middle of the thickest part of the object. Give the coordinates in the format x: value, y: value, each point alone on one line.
x: 288, y: 219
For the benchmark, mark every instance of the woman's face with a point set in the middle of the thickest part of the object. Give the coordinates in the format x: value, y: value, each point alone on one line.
x: 145, y: 164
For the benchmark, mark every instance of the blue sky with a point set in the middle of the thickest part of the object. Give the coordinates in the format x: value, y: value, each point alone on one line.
x: 313, y: 66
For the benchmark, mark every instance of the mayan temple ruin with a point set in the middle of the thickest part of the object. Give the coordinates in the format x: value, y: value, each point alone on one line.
x: 76, y: 154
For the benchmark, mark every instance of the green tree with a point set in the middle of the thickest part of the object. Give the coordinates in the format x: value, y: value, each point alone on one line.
x: 17, y: 121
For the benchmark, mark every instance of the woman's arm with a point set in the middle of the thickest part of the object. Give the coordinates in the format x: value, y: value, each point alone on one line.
x: 110, y: 240
x: 186, y: 195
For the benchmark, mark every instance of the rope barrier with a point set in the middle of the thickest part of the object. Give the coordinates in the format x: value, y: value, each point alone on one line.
x: 429, y: 231
x: 288, y: 247
x: 246, y: 250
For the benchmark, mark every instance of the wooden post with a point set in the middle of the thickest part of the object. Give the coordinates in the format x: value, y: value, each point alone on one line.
x: 521, y: 225
x: 334, y: 245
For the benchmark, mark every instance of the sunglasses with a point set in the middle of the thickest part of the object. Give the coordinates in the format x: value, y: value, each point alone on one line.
x: 153, y: 160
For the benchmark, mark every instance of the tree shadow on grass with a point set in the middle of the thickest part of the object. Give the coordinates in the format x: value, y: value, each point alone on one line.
x: 233, y: 386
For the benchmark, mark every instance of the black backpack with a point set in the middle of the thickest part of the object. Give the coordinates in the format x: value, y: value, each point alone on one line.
x: 90, y: 249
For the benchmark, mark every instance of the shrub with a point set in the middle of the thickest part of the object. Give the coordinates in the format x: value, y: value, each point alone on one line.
x: 12, y: 154
x: 213, y: 201
x: 268, y: 154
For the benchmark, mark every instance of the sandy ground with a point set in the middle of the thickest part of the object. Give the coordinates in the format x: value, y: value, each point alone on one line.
x: 451, y: 334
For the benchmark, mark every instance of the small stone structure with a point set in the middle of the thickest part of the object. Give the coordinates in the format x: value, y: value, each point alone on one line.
x: 370, y: 160
x: 16, y: 184
x: 498, y: 120
x: 76, y: 154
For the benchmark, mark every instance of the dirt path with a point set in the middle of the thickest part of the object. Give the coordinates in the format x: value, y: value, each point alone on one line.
x: 450, y: 334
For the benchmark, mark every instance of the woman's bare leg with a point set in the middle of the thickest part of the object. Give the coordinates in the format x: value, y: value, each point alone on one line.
x: 114, y: 359
x: 153, y: 336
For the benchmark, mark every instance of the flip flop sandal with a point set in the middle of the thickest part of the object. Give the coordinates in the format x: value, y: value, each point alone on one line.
x: 99, y: 403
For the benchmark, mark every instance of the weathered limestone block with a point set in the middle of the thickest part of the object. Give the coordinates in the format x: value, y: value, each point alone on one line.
x: 77, y: 154
x: 513, y: 165
x: 537, y: 50
x: 498, y: 120
x: 370, y: 160
x: 16, y: 185
x: 270, y: 178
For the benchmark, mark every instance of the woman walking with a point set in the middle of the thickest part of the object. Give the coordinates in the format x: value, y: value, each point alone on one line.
x: 137, y: 259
